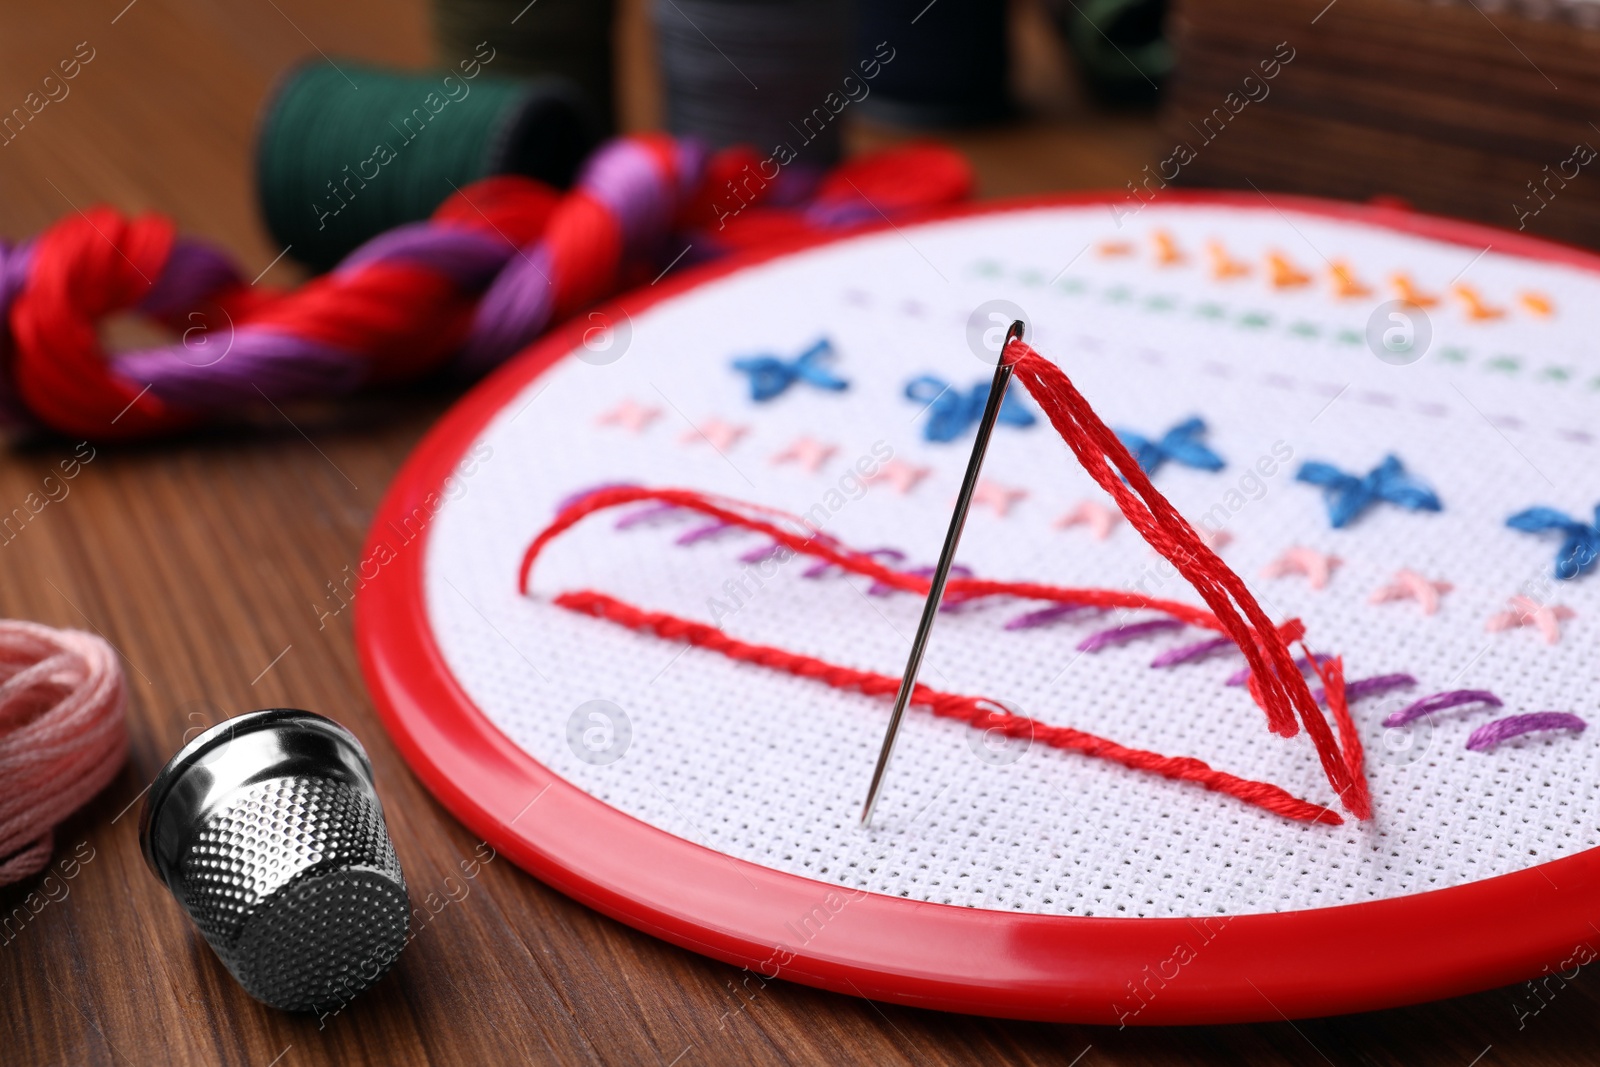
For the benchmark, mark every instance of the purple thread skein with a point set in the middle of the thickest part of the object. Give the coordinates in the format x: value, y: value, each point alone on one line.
x: 15, y: 262
x: 520, y: 301
x: 517, y: 302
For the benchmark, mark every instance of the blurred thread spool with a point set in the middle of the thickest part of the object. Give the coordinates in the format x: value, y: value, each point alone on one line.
x: 568, y: 38
x: 952, y: 61
x: 268, y: 831
x: 1122, y: 52
x: 337, y: 165
x: 756, y: 72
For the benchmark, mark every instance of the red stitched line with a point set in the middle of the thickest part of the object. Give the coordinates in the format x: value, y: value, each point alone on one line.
x: 1332, y: 675
x: 977, y: 712
x: 1276, y: 683
x: 843, y: 556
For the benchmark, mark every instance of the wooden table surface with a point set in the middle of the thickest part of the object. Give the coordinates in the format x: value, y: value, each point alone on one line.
x: 202, y: 561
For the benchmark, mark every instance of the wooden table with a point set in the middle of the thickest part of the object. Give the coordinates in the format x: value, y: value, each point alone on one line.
x: 205, y: 561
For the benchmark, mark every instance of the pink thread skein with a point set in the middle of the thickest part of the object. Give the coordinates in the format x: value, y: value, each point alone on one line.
x: 63, y: 735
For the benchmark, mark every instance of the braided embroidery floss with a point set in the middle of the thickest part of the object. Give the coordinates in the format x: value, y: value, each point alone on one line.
x: 63, y: 735
x: 399, y: 306
x: 748, y: 201
x: 496, y: 265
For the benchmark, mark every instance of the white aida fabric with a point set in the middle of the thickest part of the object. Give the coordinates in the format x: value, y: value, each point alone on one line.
x: 1497, y: 416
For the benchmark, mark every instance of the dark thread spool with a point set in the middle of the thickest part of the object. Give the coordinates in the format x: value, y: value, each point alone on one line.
x: 338, y: 164
x: 1123, y: 55
x: 568, y: 38
x: 952, y: 61
x: 756, y: 72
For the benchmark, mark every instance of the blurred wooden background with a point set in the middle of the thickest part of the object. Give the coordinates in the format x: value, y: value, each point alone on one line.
x: 202, y: 560
x: 1456, y: 107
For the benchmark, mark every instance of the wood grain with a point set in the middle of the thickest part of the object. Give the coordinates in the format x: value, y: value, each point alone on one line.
x: 205, y: 561
x: 1456, y: 108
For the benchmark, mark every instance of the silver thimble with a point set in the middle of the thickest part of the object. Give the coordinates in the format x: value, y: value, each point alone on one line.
x: 269, y: 832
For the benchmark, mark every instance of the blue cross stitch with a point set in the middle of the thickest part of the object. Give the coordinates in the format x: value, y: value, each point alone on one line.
x: 1580, y: 542
x: 771, y: 376
x: 1348, y: 495
x: 952, y: 412
x: 1181, y: 444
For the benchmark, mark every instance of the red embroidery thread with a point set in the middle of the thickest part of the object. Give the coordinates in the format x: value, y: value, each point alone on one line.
x: 1276, y: 683
x: 977, y: 712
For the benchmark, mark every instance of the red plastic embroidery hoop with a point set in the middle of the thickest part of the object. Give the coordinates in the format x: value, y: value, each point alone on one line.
x: 1252, y: 967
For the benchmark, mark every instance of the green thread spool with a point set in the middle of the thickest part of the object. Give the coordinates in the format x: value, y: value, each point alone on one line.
x: 1123, y: 54
x: 345, y: 153
x: 568, y: 38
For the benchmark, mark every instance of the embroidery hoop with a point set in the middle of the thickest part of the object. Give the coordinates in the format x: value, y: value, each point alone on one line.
x: 1314, y: 962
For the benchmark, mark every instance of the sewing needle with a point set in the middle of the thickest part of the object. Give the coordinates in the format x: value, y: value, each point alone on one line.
x: 941, y: 573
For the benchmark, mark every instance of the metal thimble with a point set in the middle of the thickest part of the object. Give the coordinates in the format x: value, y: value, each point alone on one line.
x: 269, y: 832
